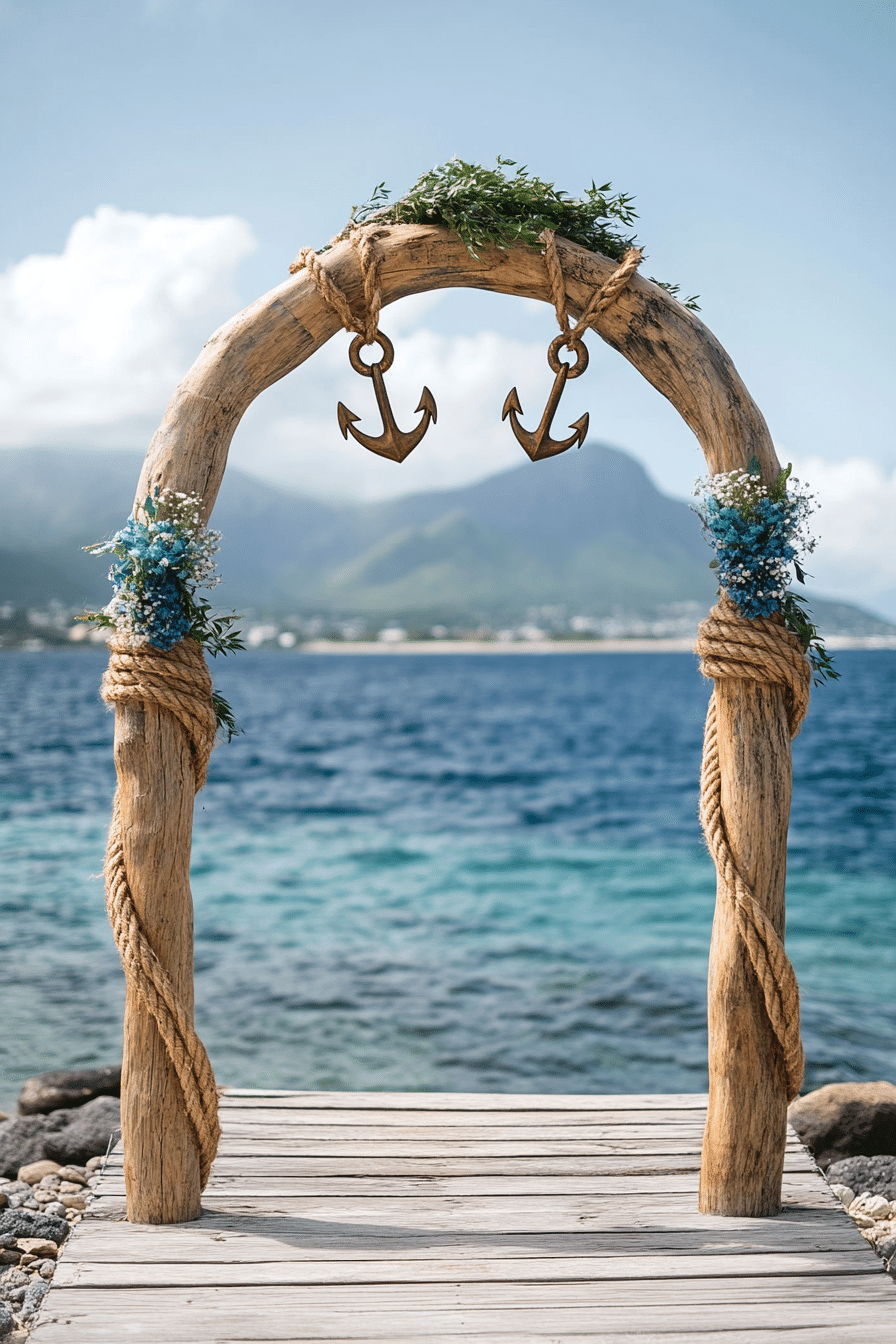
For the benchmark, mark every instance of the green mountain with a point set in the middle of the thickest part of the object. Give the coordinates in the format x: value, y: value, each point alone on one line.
x: 587, y: 532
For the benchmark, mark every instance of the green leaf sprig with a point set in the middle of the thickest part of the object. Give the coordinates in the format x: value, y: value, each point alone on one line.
x: 490, y: 207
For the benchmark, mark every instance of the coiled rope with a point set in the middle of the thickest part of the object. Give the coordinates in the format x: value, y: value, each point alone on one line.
x: 765, y: 651
x: 178, y: 681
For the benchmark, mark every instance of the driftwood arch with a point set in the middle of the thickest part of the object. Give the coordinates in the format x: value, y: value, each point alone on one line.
x: 743, y: 1149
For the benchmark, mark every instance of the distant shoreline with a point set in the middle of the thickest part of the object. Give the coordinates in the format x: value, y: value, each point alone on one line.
x: 464, y: 646
x: 546, y: 645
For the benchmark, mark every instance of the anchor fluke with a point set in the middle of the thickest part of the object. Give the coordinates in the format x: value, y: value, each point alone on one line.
x: 346, y: 418
x: 582, y: 426
x: 427, y: 403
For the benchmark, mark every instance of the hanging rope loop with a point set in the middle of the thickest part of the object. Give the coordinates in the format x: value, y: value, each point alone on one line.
x: 363, y: 238
x: 600, y: 300
x: 765, y: 651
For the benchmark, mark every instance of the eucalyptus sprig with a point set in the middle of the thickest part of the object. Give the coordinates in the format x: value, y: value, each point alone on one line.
x: 798, y: 618
x: 485, y: 206
x: 490, y: 207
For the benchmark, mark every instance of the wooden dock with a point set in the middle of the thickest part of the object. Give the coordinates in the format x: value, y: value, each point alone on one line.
x: 424, y: 1218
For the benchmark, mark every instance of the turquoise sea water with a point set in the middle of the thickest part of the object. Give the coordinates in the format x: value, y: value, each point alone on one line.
x: 457, y: 872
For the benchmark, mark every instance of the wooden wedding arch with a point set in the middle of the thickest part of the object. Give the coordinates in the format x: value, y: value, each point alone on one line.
x: 168, y: 1097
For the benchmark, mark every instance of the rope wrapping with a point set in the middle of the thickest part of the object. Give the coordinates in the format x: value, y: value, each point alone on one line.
x: 178, y: 681
x: 765, y: 651
x: 362, y: 239
x: 600, y: 300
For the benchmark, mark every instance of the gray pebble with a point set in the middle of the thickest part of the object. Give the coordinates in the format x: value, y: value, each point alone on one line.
x: 887, y: 1247
x: 877, y: 1174
x: 34, y: 1295
x: 24, y: 1223
x: 45, y: 1268
x: 70, y: 1173
x: 55, y: 1210
x: 6, y: 1321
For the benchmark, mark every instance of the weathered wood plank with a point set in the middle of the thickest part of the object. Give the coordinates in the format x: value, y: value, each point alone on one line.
x: 532, y: 1269
x: 409, y: 1103
x: 497, y: 1214
x: 843, y: 1334
x: 811, y: 1300
x: 486, y: 1121
x: 249, y: 1147
x: 289, y: 1166
x: 649, y: 1183
x: 219, y: 1238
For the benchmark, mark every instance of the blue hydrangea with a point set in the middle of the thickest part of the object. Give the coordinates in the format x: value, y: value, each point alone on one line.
x: 754, y: 554
x: 159, y: 563
x: 757, y: 535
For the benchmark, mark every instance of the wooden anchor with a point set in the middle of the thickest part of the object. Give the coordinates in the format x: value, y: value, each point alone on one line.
x: 538, y: 443
x: 392, y: 443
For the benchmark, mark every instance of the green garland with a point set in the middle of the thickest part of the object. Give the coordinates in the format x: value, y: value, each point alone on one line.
x: 487, y: 207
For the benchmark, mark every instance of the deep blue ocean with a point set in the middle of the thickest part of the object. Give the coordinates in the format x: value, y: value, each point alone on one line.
x: 458, y: 872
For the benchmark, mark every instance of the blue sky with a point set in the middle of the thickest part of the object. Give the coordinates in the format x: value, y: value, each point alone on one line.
x: 222, y: 135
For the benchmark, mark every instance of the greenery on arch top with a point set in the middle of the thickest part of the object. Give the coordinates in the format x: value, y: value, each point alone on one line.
x: 493, y: 207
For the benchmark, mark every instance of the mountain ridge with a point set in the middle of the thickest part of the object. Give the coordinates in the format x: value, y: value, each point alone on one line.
x: 587, y: 532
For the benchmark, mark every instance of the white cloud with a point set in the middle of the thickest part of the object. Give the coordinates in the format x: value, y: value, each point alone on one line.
x: 857, y: 499
x: 103, y: 332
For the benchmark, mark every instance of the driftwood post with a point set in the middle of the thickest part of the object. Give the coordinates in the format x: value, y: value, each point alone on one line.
x: 156, y: 789
x: 744, y: 1144
x: 746, y: 1122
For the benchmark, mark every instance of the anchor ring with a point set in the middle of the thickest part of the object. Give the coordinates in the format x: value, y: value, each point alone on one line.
x: 384, y: 364
x: 579, y: 349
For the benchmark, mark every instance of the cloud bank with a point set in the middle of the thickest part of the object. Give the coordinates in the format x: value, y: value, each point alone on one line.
x: 103, y: 331
x: 854, y: 524
x: 94, y: 340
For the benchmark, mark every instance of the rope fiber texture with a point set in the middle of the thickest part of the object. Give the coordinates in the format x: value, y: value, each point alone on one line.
x: 765, y: 651
x: 178, y: 681
x: 362, y: 239
x: 600, y: 300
